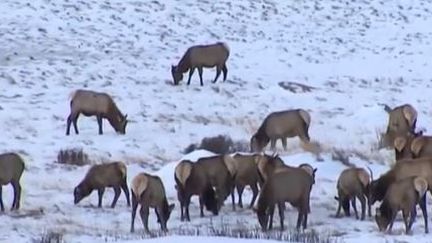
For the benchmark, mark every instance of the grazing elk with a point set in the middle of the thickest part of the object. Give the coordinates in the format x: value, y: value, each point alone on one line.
x: 293, y: 186
x: 149, y: 192
x: 99, y: 177
x: 11, y: 169
x: 245, y: 173
x: 402, y: 195
x: 101, y: 105
x: 403, y: 169
x: 402, y: 121
x: 199, y: 57
x: 200, y: 178
x: 269, y: 165
x: 421, y: 146
x: 281, y: 125
x: 353, y: 183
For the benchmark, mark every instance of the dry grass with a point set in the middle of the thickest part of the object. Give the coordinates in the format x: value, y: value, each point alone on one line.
x: 75, y: 156
x: 50, y: 237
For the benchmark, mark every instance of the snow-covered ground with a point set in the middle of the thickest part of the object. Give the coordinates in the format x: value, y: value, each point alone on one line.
x: 356, y: 56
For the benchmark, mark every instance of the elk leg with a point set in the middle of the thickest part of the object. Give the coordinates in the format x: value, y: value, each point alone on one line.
x: 305, y: 218
x: 126, y: 191
x: 161, y: 219
x: 271, y: 213
x: 255, y: 191
x: 134, y: 209
x: 1, y: 200
x: 363, y: 206
x: 233, y: 198
x: 68, y: 124
x: 299, y: 219
x: 273, y: 144
x: 200, y: 72
x: 405, y: 215
x: 75, y: 123
x: 393, y: 217
x: 281, y: 215
x: 353, y: 204
x: 187, y: 203
x: 181, y: 210
x: 339, y: 207
x: 240, y: 190
x: 99, y: 121
x: 100, y: 195
x: 201, y: 205
x: 284, y: 143
x: 225, y: 71
x: 423, y: 207
x: 191, y: 71
x: 144, y: 212
x: 218, y: 72
x: 17, y: 196
x: 117, y: 192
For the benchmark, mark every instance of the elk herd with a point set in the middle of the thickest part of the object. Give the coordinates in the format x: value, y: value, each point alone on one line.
x: 272, y: 182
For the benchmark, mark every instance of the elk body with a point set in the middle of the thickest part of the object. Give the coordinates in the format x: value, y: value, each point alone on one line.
x: 11, y: 169
x: 100, y: 177
x: 149, y: 192
x: 101, y: 105
x: 405, y: 168
x: 199, y: 57
x: 200, y: 178
x: 402, y: 121
x: 402, y: 195
x: 270, y: 165
x: 245, y: 173
x: 293, y: 186
x: 353, y: 183
x: 281, y: 125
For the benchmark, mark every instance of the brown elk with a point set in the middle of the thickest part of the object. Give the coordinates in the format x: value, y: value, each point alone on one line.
x: 402, y: 195
x: 245, y: 173
x: 421, y: 146
x: 402, y: 121
x: 353, y: 183
x: 199, y: 57
x: 101, y: 105
x: 293, y: 186
x: 101, y: 176
x: 281, y: 125
x: 200, y: 178
x: 403, y: 169
x: 149, y: 192
x: 11, y: 169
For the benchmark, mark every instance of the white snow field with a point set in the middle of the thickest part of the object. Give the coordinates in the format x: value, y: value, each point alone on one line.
x: 353, y: 56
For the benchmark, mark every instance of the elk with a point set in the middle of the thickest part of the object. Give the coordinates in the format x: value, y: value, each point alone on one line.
x: 269, y: 165
x: 101, y: 105
x: 200, y: 178
x: 353, y: 183
x: 402, y: 195
x: 149, y: 192
x: 11, y: 169
x: 101, y: 176
x: 245, y: 173
x: 402, y: 121
x: 199, y: 57
x: 403, y: 169
x: 281, y: 125
x: 293, y: 186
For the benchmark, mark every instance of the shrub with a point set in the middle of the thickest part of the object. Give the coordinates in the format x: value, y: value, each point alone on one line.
x: 73, y: 156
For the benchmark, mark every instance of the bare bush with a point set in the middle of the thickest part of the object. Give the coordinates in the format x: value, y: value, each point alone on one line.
x: 73, y: 156
x: 342, y: 156
x: 50, y: 237
x: 220, y: 144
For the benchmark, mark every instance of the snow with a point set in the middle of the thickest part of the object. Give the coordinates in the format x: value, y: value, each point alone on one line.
x: 357, y: 56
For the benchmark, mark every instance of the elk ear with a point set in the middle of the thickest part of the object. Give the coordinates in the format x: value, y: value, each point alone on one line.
x: 315, y: 170
x: 387, y: 108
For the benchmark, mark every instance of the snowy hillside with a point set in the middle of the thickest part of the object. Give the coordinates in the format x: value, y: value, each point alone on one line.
x: 354, y: 55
